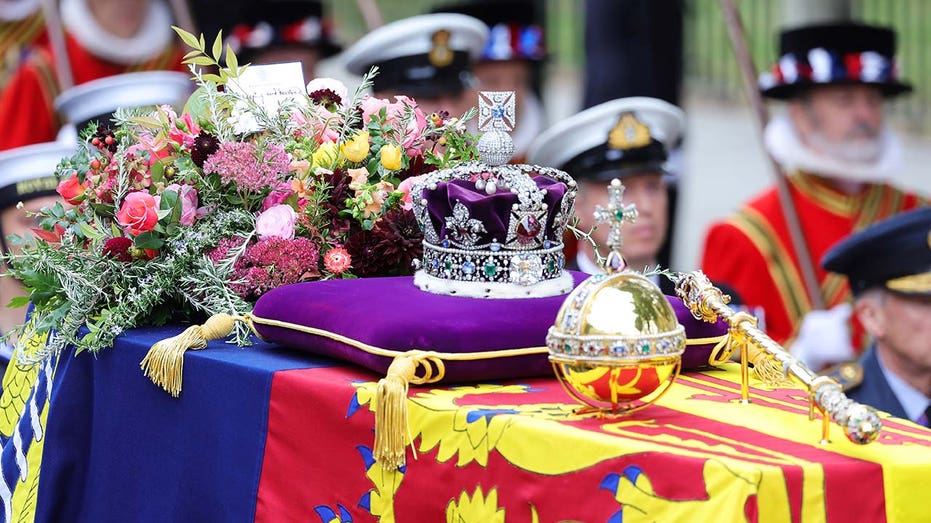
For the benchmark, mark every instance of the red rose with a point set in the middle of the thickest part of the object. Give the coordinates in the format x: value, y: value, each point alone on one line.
x: 71, y: 190
x: 139, y: 213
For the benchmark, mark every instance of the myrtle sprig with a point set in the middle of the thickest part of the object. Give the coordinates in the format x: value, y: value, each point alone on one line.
x: 586, y: 236
x: 353, y: 118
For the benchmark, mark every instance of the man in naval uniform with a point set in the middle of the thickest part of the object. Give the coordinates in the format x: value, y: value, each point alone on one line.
x: 888, y: 266
x: 840, y: 157
x: 27, y: 176
x: 428, y: 58
x: 626, y: 139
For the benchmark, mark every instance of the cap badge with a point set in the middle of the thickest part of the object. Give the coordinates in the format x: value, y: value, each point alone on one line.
x: 440, y: 55
x: 629, y: 133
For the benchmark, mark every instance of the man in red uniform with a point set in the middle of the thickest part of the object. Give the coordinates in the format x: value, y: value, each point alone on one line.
x: 104, y: 38
x: 21, y: 27
x: 840, y: 158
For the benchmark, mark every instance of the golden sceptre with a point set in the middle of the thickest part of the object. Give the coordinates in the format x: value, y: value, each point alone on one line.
x: 860, y: 422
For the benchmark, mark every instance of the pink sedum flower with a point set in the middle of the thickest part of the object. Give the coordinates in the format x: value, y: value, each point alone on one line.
x: 250, y: 169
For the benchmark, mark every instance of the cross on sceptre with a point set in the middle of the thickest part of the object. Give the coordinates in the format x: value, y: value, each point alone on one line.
x: 616, y: 213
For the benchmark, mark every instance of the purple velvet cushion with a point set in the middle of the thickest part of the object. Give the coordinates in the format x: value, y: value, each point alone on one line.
x: 392, y: 313
x: 696, y: 354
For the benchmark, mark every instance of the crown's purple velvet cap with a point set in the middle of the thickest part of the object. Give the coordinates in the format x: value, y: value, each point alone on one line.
x: 494, y: 211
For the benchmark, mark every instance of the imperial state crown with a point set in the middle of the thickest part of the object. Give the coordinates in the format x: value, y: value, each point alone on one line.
x: 491, y: 229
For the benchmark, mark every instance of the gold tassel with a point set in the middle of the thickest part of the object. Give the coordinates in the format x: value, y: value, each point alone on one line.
x: 391, y: 413
x: 164, y: 363
x: 766, y: 368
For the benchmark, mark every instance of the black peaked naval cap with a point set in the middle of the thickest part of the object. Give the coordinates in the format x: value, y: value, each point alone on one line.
x: 894, y: 254
x: 494, y: 12
x: 618, y: 138
x: 29, y: 172
x: 427, y: 55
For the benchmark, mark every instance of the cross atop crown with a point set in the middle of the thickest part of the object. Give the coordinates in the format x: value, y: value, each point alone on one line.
x: 496, y: 111
x: 617, y: 214
x: 496, y: 118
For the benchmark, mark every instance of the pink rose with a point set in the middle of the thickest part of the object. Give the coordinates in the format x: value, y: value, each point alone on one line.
x: 188, y: 196
x: 405, y: 187
x: 326, y: 125
x: 139, y: 213
x: 276, y: 222
x: 72, y: 190
x: 278, y: 195
x: 371, y: 106
x: 157, y: 148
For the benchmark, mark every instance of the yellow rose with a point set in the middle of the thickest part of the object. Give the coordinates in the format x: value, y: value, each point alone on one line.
x: 357, y: 149
x: 391, y: 157
x: 327, y: 156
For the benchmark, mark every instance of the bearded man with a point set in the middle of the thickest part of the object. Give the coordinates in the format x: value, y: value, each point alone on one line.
x: 841, y: 159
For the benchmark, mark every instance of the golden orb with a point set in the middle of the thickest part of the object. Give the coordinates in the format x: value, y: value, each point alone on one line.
x: 616, y: 345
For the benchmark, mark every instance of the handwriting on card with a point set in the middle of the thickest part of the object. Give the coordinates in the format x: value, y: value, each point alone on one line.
x: 270, y: 88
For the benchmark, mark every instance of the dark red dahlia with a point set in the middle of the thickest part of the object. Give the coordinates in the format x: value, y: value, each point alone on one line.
x: 389, y: 248
x: 339, y: 191
x: 205, y: 144
x: 357, y: 123
x: 118, y: 249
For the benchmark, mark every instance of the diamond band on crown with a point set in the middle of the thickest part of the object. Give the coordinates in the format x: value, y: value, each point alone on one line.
x: 493, y: 264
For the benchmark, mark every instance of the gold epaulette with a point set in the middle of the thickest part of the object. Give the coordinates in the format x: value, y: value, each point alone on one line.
x: 849, y: 374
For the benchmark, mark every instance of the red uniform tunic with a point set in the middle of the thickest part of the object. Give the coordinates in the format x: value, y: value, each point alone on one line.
x: 27, y: 110
x: 17, y: 38
x: 752, y: 251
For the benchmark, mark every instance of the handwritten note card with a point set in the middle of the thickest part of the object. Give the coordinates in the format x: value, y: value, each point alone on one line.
x: 271, y: 87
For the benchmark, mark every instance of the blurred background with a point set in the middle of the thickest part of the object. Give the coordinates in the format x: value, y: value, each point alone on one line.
x: 722, y: 163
